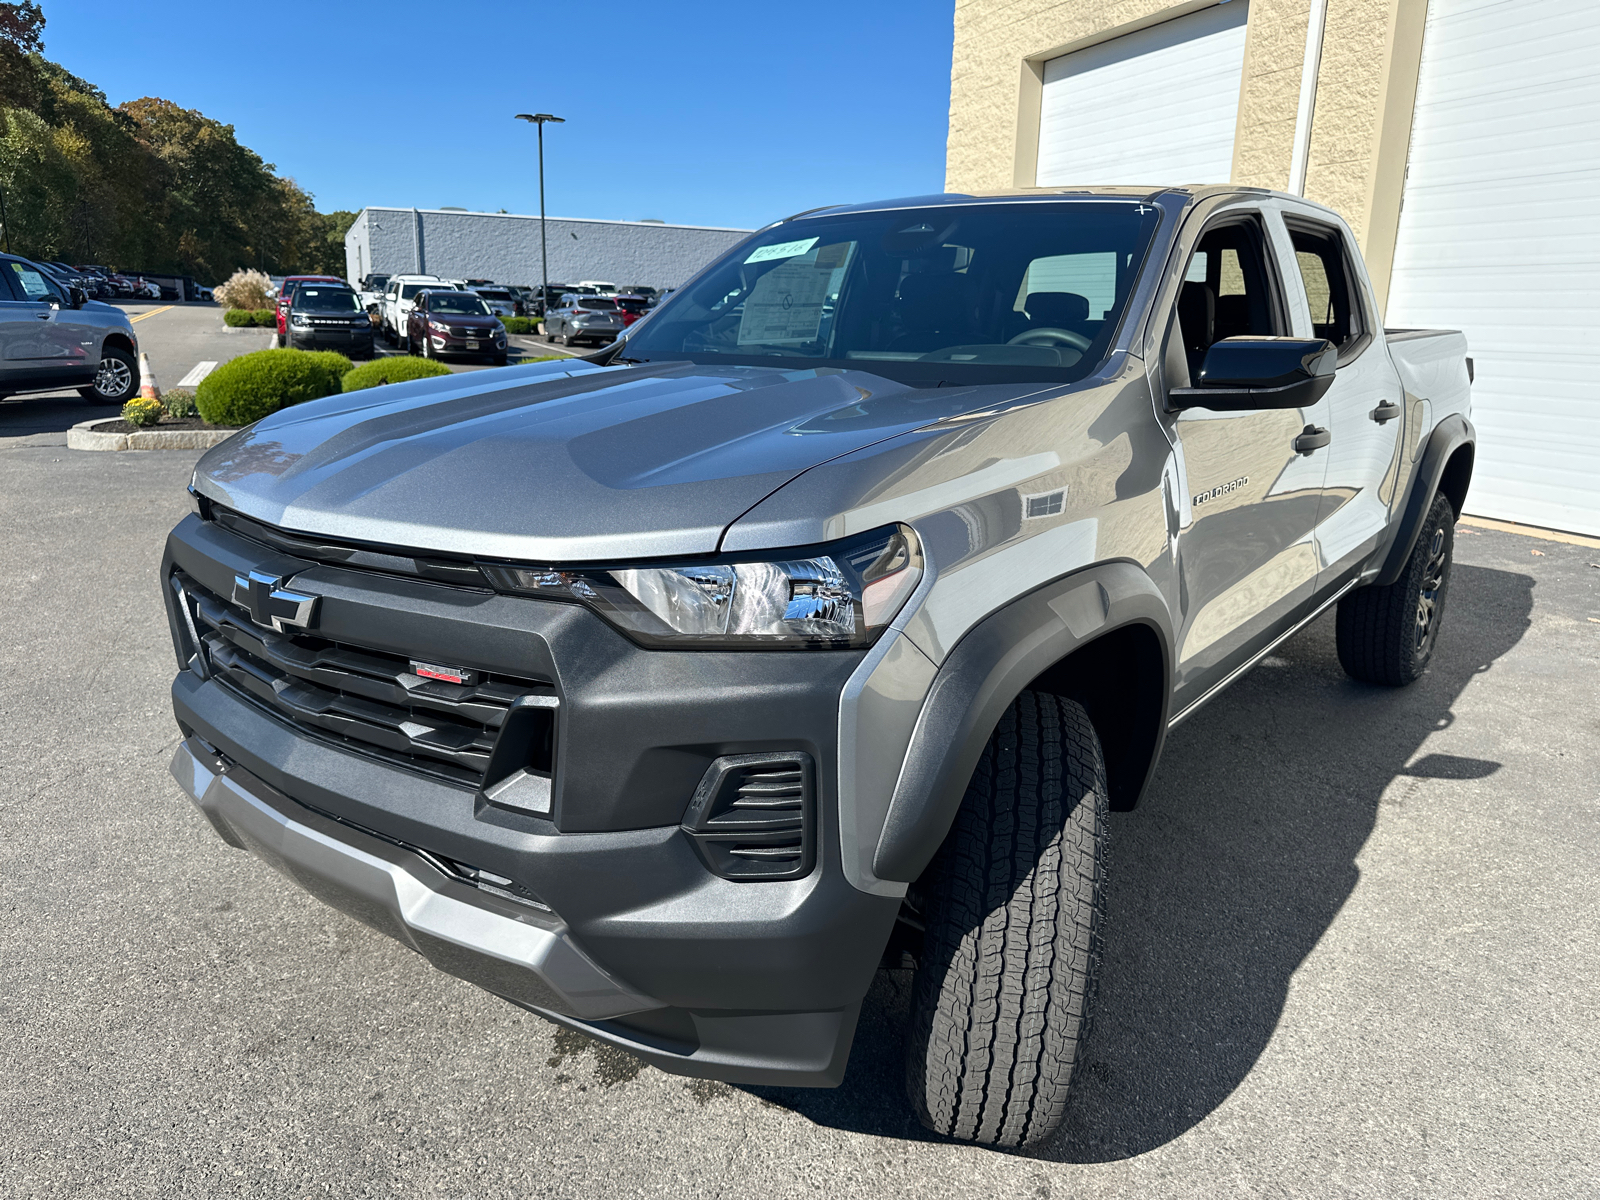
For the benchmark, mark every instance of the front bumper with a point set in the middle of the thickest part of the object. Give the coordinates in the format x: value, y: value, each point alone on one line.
x: 749, y: 982
x: 356, y: 338
x: 500, y: 944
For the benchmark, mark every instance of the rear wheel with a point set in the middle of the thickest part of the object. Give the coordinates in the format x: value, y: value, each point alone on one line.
x: 1386, y: 635
x: 1014, y: 912
x: 117, y: 379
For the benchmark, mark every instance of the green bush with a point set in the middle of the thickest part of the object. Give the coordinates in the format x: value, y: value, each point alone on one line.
x: 393, y: 370
x: 247, y: 388
x: 142, y: 411
x: 239, y: 318
x: 179, y: 403
x: 519, y: 324
x: 265, y: 318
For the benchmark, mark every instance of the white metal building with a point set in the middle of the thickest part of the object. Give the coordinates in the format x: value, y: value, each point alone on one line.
x: 1460, y: 138
x: 505, y: 247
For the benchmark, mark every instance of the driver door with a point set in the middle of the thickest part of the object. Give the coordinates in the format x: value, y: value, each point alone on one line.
x: 1246, y: 549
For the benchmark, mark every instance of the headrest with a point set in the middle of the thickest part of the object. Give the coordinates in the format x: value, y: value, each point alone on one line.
x: 1057, y: 308
x: 1197, y: 314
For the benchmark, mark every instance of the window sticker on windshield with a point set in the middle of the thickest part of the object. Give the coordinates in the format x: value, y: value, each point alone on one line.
x: 786, y: 304
x: 32, y: 282
x: 781, y: 250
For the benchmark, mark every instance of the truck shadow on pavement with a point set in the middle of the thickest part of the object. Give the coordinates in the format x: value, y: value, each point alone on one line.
x: 1223, y: 882
x: 24, y: 416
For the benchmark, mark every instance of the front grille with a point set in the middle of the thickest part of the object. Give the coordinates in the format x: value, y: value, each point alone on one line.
x: 372, y: 701
x: 753, y: 817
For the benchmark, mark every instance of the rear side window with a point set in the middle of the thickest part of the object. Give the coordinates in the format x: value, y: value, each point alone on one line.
x: 1330, y: 288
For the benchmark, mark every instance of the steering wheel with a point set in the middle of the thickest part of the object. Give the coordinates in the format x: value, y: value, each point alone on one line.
x: 1047, y: 335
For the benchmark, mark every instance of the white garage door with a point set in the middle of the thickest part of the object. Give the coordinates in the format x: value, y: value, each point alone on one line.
x: 1497, y: 237
x: 1157, y: 106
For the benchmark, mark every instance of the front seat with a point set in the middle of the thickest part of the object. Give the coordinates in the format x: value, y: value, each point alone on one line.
x: 1197, y: 320
x: 1057, y: 310
x: 932, y: 312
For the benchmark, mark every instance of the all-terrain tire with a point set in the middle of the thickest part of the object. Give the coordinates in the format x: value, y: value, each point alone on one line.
x: 1014, y: 912
x: 1386, y: 635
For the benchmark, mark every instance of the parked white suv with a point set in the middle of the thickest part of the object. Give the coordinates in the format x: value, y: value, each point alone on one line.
x: 399, y: 298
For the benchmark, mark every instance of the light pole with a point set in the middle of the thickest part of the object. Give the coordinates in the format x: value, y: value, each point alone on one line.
x: 539, y: 119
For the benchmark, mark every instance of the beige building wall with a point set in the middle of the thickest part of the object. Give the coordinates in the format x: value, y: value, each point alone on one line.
x: 1360, y: 134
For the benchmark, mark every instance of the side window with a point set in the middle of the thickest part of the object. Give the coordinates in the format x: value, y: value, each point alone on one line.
x: 1330, y: 289
x: 29, y: 282
x: 1227, y: 292
x: 8, y: 289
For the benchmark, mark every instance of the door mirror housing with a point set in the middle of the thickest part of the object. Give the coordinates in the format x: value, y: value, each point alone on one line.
x: 77, y: 296
x: 1241, y: 373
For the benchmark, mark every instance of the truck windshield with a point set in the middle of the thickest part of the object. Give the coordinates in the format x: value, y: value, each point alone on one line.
x: 326, y: 300
x: 963, y: 293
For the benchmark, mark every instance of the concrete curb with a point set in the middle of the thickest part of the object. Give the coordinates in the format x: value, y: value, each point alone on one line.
x: 84, y: 436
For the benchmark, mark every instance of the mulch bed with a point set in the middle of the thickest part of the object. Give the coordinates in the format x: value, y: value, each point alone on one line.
x: 164, y: 424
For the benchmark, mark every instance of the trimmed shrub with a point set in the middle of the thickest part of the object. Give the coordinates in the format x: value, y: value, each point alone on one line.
x: 239, y: 318
x: 179, y: 403
x: 244, y: 289
x: 265, y: 318
x: 142, y: 411
x: 249, y: 387
x: 519, y: 324
x: 392, y: 370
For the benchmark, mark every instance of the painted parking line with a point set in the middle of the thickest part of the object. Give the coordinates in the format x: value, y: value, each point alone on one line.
x: 196, y: 373
x: 152, y: 312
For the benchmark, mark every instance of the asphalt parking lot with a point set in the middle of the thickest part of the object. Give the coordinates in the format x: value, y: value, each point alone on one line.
x: 1354, y: 946
x: 179, y: 338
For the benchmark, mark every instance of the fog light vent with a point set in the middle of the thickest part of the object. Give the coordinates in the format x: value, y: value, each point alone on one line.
x: 753, y: 817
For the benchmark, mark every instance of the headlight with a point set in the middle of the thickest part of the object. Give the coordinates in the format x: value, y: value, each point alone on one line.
x: 300, y: 320
x: 438, y: 327
x: 838, y: 596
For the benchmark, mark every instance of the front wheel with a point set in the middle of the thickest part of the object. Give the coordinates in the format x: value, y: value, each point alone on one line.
x: 1386, y: 635
x: 117, y: 379
x: 1013, y: 907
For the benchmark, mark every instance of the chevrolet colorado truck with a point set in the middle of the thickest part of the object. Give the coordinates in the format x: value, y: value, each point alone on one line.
x: 818, y: 622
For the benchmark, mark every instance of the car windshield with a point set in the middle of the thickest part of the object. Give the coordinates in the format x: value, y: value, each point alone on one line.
x: 325, y: 299
x: 964, y: 293
x: 596, y: 303
x: 463, y: 303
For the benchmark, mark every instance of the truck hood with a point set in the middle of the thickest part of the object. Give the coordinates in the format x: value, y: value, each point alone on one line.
x: 563, y: 462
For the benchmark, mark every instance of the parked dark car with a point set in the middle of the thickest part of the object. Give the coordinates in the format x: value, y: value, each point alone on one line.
x: 594, y: 319
x: 286, y: 296
x: 452, y: 322
x: 324, y: 316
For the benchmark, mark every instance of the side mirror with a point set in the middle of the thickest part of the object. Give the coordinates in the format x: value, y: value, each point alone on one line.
x: 78, y: 296
x: 1241, y: 373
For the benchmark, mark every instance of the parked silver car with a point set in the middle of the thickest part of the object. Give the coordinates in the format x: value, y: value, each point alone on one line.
x: 53, y: 336
x: 594, y: 319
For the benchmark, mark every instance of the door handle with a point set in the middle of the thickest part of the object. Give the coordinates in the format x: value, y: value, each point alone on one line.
x: 45, y: 315
x: 1311, y: 438
x: 1387, y: 411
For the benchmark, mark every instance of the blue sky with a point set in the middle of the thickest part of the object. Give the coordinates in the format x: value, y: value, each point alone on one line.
x: 709, y: 114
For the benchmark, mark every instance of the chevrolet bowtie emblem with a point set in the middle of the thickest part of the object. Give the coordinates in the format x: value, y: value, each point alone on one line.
x: 270, y: 605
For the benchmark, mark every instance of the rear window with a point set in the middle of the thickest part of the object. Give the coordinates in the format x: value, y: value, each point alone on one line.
x: 596, y: 302
x: 493, y: 293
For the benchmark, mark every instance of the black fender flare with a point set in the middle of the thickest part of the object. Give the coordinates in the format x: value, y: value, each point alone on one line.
x: 1448, y: 436
x: 985, y: 671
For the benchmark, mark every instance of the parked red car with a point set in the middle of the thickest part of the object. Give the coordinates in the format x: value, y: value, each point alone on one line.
x: 631, y: 307
x: 286, y: 297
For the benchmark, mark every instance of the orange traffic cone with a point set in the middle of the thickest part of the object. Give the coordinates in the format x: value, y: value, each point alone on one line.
x: 147, y: 379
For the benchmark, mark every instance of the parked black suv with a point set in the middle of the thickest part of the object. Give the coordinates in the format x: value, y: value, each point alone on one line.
x: 328, y: 316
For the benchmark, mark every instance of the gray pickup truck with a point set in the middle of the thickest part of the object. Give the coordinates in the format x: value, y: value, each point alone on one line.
x: 817, y: 624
